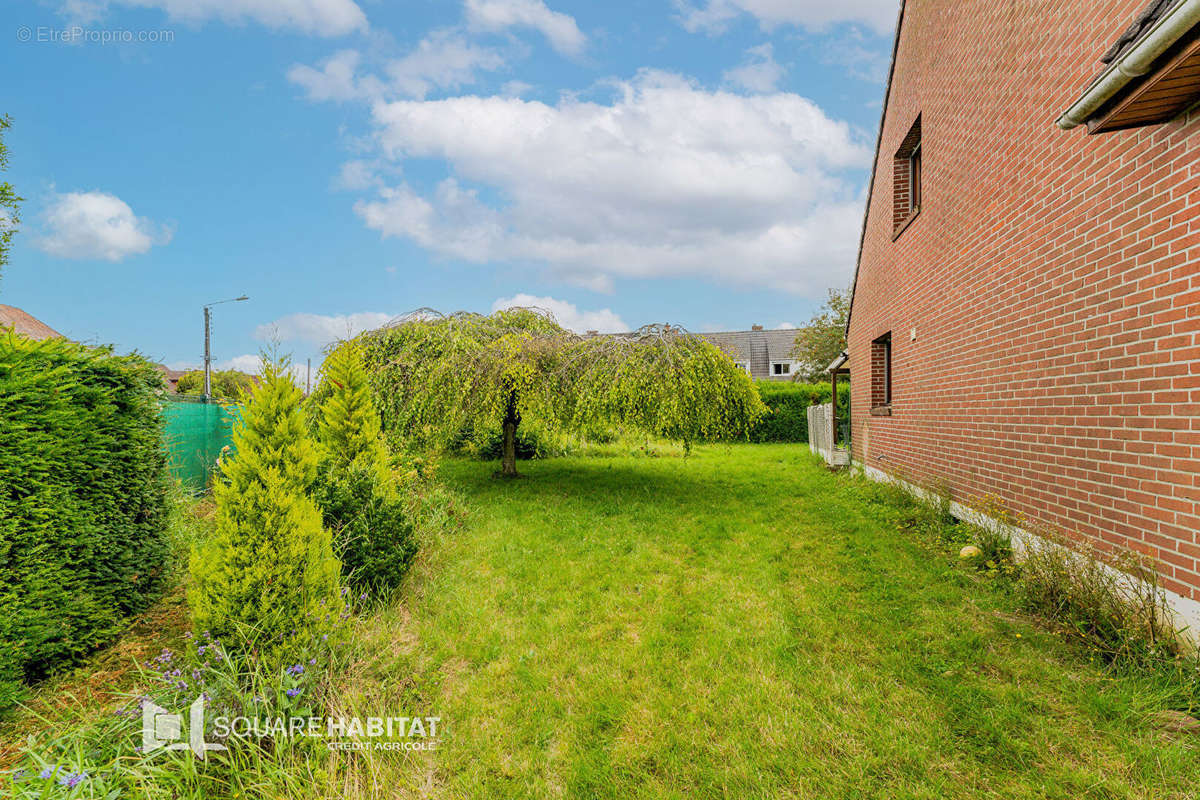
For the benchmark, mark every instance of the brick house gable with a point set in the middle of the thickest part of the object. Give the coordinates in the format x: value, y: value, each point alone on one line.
x: 1043, y: 308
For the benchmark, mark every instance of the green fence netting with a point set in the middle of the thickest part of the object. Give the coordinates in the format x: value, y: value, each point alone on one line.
x: 195, y: 432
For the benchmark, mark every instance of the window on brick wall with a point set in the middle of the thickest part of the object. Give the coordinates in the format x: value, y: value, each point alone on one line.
x: 881, y: 372
x: 907, y: 179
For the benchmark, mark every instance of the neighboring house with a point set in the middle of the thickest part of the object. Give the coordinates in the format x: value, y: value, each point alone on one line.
x: 23, y: 323
x: 1025, y: 322
x: 765, y: 355
x: 171, y: 377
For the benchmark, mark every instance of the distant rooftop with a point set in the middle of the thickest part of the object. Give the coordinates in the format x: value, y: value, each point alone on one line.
x: 758, y: 349
x: 25, y: 324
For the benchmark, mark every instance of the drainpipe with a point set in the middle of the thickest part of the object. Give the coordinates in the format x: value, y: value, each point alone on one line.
x: 1134, y: 63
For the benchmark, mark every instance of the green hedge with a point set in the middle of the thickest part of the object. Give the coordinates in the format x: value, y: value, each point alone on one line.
x: 789, y: 402
x: 83, y: 501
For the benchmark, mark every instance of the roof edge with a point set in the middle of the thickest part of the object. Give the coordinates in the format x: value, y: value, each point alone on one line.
x: 887, y: 93
x: 1133, y: 62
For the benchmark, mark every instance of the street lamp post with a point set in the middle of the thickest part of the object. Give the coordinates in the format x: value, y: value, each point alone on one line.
x: 208, y: 346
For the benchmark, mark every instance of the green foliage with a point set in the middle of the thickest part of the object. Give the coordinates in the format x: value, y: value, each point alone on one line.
x: 434, y: 376
x: 822, y: 338
x: 270, y: 564
x: 96, y: 757
x: 83, y: 500
x: 357, y: 488
x: 227, y: 384
x: 787, y: 404
x: 1113, y: 606
x: 1118, y: 610
x: 531, y: 443
x: 10, y: 203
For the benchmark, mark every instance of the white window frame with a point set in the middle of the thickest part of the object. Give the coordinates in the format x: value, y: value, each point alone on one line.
x: 787, y: 373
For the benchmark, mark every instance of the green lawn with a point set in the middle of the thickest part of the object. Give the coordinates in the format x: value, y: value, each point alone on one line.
x: 741, y: 624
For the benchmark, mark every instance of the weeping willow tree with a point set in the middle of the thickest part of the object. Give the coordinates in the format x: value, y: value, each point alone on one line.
x: 436, y: 375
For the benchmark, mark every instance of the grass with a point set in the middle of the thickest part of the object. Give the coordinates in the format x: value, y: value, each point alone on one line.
x: 105, y: 681
x: 740, y: 623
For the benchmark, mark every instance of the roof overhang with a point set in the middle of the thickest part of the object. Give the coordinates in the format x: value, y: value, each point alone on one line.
x: 839, y: 363
x: 1122, y: 96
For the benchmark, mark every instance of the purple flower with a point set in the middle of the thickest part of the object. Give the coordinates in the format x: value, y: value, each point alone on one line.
x: 294, y: 692
x: 312, y: 662
x: 72, y: 779
x: 295, y: 669
x: 46, y: 773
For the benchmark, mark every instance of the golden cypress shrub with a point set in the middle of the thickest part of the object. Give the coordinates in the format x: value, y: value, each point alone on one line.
x: 357, y: 488
x: 269, y: 574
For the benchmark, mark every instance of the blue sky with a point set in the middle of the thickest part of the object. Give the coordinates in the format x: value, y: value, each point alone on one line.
x: 342, y: 161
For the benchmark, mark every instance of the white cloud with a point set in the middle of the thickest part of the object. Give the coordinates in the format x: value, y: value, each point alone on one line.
x: 336, y: 79
x: 320, y: 330
x: 498, y: 15
x: 879, y: 15
x: 667, y: 180
x: 96, y: 225
x: 318, y: 17
x: 785, y: 326
x: 850, y: 51
x: 357, y: 176
x: 567, y: 314
x: 515, y: 88
x: 442, y: 60
x: 759, y: 72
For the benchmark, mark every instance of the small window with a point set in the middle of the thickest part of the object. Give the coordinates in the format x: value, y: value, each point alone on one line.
x: 781, y: 368
x: 881, y: 372
x: 907, y: 178
x: 914, y: 180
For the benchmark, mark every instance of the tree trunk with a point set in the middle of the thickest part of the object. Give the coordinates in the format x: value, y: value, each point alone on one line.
x: 512, y: 418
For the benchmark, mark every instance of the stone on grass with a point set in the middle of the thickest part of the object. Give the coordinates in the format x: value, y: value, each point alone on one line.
x: 970, y: 551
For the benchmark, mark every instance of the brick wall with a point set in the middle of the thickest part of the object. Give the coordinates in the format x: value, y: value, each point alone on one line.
x: 1052, y: 281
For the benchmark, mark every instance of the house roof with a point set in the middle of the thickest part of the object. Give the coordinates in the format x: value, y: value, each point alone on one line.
x: 171, y: 376
x: 746, y: 345
x: 1149, y: 15
x: 25, y: 324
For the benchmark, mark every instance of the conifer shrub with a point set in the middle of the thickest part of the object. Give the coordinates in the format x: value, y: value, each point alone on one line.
x: 83, y: 501
x: 357, y: 488
x: 269, y: 572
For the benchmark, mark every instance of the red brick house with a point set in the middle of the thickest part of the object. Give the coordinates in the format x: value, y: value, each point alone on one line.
x: 1026, y: 313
